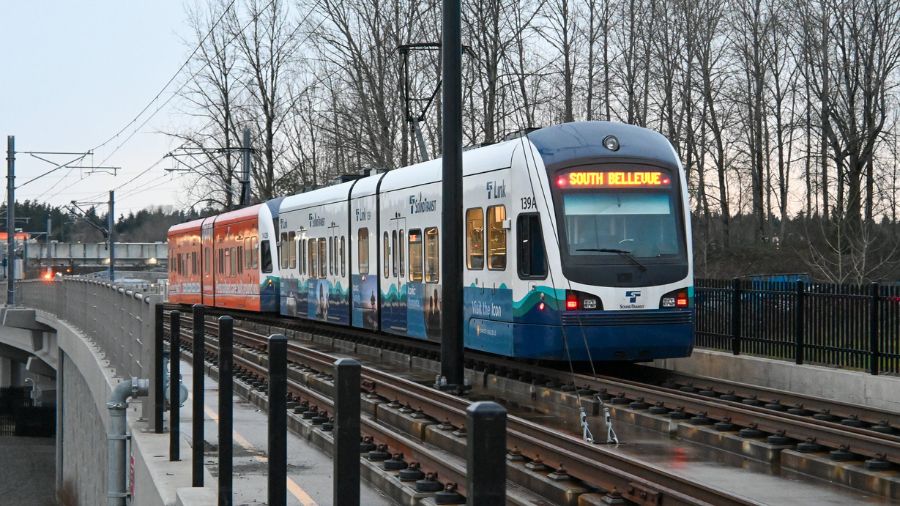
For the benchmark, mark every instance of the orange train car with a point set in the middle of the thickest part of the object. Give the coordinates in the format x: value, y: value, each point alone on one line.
x: 226, y: 260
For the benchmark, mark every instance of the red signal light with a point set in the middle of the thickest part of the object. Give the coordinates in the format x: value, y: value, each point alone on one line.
x: 541, y: 306
x: 571, y: 301
x: 562, y: 181
x: 681, y: 300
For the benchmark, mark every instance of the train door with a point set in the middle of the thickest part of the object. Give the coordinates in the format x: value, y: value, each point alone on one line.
x: 208, y: 269
x: 363, y: 248
x: 394, y: 305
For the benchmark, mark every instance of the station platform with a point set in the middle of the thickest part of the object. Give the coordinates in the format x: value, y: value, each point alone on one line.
x: 841, y: 385
x: 310, y: 477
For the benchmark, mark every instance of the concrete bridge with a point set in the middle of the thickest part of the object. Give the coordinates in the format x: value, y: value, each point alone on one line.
x: 82, y: 342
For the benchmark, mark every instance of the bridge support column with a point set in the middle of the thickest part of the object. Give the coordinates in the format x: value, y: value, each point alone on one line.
x: 5, y: 372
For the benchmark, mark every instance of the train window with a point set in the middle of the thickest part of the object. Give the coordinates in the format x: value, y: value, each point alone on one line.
x: 415, y: 255
x: 396, y: 253
x: 292, y: 247
x: 301, y: 262
x: 400, y: 253
x: 221, y: 266
x: 386, y: 260
x: 282, y: 258
x: 362, y: 243
x: 343, y: 258
x: 475, y: 239
x: 266, y: 256
x: 246, y: 257
x: 323, y: 258
x: 254, y: 254
x: 239, y: 259
x: 234, y: 261
x: 195, y: 268
x: 207, y: 257
x: 226, y: 270
x: 531, y: 254
x: 432, y: 255
x: 330, y: 260
x: 496, y: 215
x: 313, y: 258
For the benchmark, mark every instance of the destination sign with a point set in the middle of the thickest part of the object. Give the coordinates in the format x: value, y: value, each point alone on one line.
x: 614, y: 179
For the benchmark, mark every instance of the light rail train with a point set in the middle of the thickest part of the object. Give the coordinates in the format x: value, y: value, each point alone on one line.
x: 576, y: 247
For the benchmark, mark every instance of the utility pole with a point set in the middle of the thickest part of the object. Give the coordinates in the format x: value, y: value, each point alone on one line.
x: 49, y: 230
x: 452, y: 341
x: 111, y: 226
x: 11, y: 220
x: 245, y: 168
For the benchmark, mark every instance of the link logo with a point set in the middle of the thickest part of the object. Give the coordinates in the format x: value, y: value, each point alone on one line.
x: 632, y: 295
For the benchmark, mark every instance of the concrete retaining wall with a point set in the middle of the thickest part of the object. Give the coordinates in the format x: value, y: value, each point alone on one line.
x: 855, y: 387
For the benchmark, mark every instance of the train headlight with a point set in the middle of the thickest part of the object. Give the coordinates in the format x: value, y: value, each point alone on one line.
x: 611, y: 143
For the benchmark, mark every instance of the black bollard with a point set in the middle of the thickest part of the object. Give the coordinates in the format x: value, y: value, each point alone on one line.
x: 277, y: 420
x: 159, y: 389
x: 226, y: 424
x: 346, y: 432
x: 199, y: 376
x: 486, y: 454
x: 174, y: 383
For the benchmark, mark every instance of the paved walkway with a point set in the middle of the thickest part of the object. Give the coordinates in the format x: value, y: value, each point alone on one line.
x: 309, y: 470
x: 27, y: 471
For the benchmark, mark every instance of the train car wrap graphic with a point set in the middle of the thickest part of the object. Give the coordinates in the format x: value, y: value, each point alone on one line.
x: 364, y: 301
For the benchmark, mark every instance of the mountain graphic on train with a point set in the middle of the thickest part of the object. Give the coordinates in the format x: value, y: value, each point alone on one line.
x: 576, y: 246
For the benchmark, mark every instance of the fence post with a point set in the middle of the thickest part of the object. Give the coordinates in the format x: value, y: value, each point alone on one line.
x: 874, y: 303
x: 736, y: 316
x: 278, y: 420
x: 174, y: 382
x: 226, y: 424
x: 799, y: 313
x: 199, y: 375
x: 159, y: 399
x: 346, y: 432
x: 485, y: 454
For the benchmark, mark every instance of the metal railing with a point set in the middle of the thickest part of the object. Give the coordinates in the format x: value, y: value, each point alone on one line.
x: 119, y: 320
x: 845, y: 326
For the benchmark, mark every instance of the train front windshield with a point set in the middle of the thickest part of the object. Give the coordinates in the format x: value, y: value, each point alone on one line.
x: 622, y: 227
x: 606, y: 223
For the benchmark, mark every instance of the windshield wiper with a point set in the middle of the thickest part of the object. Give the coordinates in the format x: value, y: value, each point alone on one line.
x: 625, y: 253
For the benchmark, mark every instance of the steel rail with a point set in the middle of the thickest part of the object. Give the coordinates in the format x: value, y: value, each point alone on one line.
x: 637, y: 481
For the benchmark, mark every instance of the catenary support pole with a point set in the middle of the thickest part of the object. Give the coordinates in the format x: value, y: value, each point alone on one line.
x: 278, y: 420
x: 346, y: 432
x: 174, y: 383
x: 245, y: 169
x: 111, y: 227
x: 11, y: 220
x: 226, y: 411
x: 485, y: 454
x: 199, y: 349
x: 451, y: 189
x: 159, y: 394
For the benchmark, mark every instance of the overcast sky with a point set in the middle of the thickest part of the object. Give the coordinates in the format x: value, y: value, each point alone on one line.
x: 74, y: 73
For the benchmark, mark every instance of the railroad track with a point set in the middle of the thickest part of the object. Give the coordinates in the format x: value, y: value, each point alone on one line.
x: 596, y: 466
x: 786, y: 419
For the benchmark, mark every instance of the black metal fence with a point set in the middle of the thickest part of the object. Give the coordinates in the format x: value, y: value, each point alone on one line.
x: 847, y: 326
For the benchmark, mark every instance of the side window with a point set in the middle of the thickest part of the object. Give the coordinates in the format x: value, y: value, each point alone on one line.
x: 496, y: 238
x: 330, y: 255
x: 313, y: 258
x: 248, y: 257
x: 301, y: 267
x: 282, y: 258
x: 386, y: 258
x: 254, y: 253
x: 323, y: 258
x: 234, y: 261
x: 228, y: 270
x: 207, y: 258
x: 239, y: 258
x: 343, y: 259
x: 362, y: 243
x: 415, y: 255
x: 221, y: 266
x: 396, y: 253
x: 292, y: 247
x: 532, y: 257
x: 475, y: 239
x: 265, y: 254
x: 432, y: 255
x: 400, y: 253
